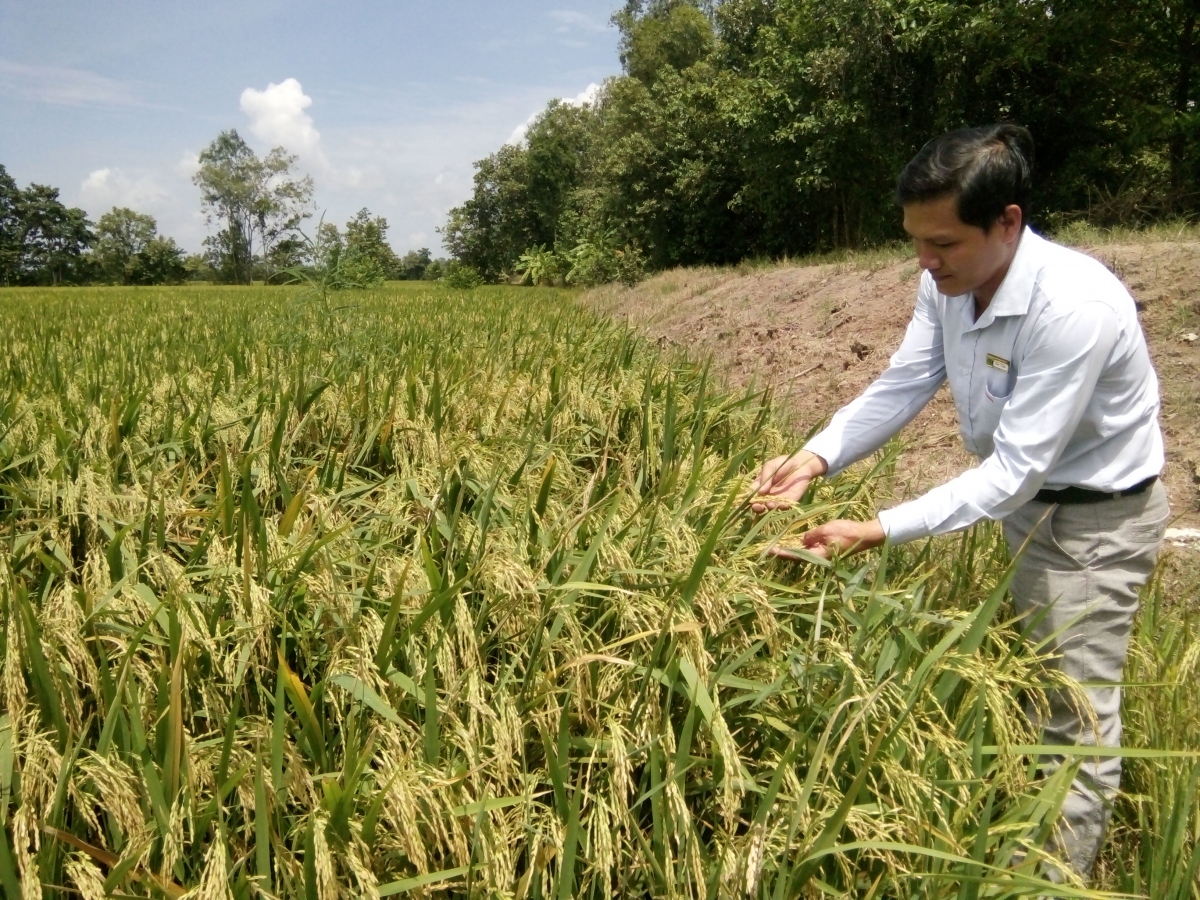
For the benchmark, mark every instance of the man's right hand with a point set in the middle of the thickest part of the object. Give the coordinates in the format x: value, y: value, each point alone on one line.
x: 783, y: 480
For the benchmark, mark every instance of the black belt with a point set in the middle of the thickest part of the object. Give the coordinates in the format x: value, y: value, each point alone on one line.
x: 1086, y: 495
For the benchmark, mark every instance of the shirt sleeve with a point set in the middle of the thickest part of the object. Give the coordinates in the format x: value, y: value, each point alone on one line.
x: 916, y: 371
x: 1056, y: 376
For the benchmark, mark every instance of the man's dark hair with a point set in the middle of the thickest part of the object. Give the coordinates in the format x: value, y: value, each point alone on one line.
x: 987, y: 168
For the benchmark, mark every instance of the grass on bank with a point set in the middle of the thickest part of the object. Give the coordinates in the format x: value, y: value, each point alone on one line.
x: 1078, y: 233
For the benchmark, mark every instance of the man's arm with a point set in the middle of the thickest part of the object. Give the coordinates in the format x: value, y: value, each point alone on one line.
x: 916, y: 371
x: 859, y: 429
x: 1055, y: 379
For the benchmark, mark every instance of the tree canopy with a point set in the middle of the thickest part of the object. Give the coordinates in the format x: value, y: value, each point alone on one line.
x: 42, y: 241
x: 773, y: 127
x: 255, y: 201
x: 129, y: 251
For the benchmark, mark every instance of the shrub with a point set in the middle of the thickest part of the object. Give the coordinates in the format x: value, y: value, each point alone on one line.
x: 538, y: 265
x: 598, y: 261
x: 463, y: 277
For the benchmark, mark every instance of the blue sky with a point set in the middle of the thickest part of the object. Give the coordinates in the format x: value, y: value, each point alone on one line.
x: 387, y: 104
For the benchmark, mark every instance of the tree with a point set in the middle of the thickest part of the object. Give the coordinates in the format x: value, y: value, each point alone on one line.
x: 159, y: 261
x: 778, y: 127
x: 286, y: 254
x: 121, y: 234
x: 367, y: 257
x: 11, y: 231
x: 435, y: 270
x: 491, y: 229
x: 525, y: 196
x: 53, y: 238
x: 329, y: 246
x: 671, y: 34
x: 250, y: 198
x: 413, y: 264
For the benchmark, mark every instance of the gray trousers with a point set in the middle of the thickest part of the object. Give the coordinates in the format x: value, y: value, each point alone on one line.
x: 1081, y: 573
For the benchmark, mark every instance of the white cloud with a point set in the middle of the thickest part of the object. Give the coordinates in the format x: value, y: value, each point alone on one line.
x: 277, y: 116
x: 108, y: 187
x: 64, y: 86
x: 584, y: 98
x: 568, y: 19
x: 518, y: 133
x: 188, y: 165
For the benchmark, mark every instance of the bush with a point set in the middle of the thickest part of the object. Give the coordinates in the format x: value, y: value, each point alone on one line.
x: 596, y: 261
x: 461, y: 276
x: 538, y: 265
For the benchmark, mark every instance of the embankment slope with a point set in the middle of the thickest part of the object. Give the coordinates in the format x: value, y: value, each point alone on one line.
x: 821, y: 333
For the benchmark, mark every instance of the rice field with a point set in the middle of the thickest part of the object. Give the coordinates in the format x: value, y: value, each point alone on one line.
x: 455, y: 593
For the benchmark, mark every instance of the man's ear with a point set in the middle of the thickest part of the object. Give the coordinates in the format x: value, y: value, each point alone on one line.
x: 1013, y: 221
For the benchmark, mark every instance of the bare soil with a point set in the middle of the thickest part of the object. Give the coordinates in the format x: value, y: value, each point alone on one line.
x: 821, y: 333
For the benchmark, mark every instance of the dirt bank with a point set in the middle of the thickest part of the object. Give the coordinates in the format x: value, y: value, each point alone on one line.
x: 821, y: 333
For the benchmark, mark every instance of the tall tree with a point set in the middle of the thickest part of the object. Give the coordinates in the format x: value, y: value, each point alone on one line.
x: 671, y: 34
x: 413, y: 264
x: 54, y: 237
x: 121, y: 234
x: 772, y: 127
x: 11, y: 231
x: 251, y: 199
x: 525, y: 195
x: 160, y: 261
x: 368, y: 259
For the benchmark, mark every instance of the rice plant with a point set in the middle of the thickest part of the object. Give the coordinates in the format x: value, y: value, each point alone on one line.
x: 430, y: 591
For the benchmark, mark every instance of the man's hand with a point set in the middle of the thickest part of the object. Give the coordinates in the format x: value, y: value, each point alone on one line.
x: 841, y: 536
x: 782, y: 481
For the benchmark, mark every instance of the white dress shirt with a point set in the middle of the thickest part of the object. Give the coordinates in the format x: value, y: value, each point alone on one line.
x: 1053, y: 385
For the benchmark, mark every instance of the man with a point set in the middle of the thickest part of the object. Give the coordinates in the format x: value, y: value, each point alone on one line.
x: 1055, y: 394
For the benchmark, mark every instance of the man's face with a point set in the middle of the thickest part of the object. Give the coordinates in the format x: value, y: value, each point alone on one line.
x: 962, y: 258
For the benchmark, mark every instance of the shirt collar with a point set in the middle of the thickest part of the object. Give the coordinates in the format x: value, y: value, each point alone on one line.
x: 1015, y: 293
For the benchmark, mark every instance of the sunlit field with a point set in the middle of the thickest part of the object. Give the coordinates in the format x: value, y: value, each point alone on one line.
x: 456, y: 593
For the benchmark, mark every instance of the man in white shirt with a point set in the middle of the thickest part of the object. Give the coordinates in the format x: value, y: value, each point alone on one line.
x: 1056, y: 395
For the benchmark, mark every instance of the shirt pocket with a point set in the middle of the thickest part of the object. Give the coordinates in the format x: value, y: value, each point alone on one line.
x: 999, y: 384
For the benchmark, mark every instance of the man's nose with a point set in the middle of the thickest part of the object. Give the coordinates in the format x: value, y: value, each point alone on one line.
x: 927, y: 259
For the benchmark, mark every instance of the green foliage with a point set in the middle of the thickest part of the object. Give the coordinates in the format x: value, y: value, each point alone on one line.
x: 539, y: 265
x: 461, y: 276
x: 249, y: 198
x: 160, y: 261
x: 367, y: 257
x: 196, y: 267
x: 597, y: 260
x: 129, y: 251
x: 121, y: 234
x: 435, y: 270
x: 356, y: 259
x: 11, y: 231
x: 767, y: 129
x: 41, y: 240
x: 412, y: 266
x: 524, y: 196
x: 55, y: 238
x: 671, y: 34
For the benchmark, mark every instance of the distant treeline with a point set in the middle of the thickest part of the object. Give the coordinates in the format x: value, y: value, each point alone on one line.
x: 257, y: 205
x: 769, y: 127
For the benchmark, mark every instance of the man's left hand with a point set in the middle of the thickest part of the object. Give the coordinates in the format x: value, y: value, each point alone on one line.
x: 841, y: 536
